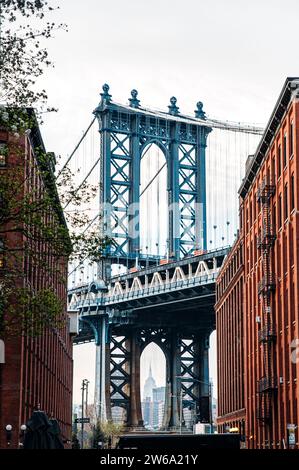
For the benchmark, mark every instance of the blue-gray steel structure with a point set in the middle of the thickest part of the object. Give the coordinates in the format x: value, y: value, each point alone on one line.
x: 126, y: 132
x: 171, y: 304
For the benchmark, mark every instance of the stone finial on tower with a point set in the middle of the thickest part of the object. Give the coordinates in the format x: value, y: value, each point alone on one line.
x: 173, y: 109
x: 134, y: 101
x: 199, y: 112
x: 106, y: 97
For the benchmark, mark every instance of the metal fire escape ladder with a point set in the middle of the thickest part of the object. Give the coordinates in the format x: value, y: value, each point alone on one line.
x: 267, y: 384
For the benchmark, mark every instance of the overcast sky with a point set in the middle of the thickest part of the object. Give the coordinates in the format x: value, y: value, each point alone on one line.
x: 233, y: 55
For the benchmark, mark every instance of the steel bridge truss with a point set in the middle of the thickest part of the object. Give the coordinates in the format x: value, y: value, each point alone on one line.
x: 126, y: 132
x: 144, y: 307
x: 186, y: 357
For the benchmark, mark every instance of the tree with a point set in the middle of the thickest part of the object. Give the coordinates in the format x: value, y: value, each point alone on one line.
x: 111, y: 432
x: 25, y: 209
x: 24, y: 27
x: 31, y: 214
x: 98, y: 437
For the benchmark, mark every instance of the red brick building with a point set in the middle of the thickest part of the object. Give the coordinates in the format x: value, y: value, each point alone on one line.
x: 37, y: 368
x: 230, y: 357
x: 269, y: 231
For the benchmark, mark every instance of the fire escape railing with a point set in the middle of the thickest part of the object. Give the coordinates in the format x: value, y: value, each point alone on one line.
x: 267, y: 384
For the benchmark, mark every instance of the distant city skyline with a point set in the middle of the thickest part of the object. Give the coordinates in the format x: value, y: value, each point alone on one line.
x: 152, y: 356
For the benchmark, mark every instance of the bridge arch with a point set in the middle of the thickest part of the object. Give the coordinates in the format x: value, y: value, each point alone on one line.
x: 156, y: 142
x: 153, y: 197
x: 126, y: 133
x: 153, y: 397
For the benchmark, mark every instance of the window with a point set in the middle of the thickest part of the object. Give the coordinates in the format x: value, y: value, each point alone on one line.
x: 286, y: 213
x: 292, y: 192
x: 273, y: 175
x: 284, y: 150
x: 279, y: 161
x: 279, y: 212
x: 274, y: 218
x: 247, y: 219
x: 291, y: 143
x: 1, y: 254
x: 291, y: 244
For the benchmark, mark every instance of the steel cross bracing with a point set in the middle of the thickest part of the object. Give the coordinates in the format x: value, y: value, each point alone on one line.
x: 149, y: 126
x: 170, y: 304
x: 126, y: 132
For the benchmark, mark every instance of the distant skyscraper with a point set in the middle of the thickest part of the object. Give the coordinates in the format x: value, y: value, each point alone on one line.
x: 161, y: 410
x: 153, y: 400
x: 159, y: 394
x: 149, y: 385
x: 147, y: 413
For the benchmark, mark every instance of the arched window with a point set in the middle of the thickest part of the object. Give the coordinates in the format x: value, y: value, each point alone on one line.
x: 2, y: 257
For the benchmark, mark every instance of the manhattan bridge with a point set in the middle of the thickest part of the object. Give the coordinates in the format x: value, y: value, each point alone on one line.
x: 167, y: 185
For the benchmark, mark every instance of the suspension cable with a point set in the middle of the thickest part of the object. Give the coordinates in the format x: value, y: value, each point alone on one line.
x: 82, y: 182
x: 154, y: 177
x: 86, y: 228
x: 76, y: 148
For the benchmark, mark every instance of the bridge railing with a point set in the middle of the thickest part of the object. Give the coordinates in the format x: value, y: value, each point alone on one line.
x: 146, y: 291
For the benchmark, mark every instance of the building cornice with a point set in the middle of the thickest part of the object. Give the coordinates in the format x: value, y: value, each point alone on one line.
x: 291, y: 84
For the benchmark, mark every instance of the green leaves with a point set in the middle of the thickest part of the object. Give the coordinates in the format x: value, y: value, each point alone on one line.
x: 37, y: 238
x: 23, y: 58
x: 24, y: 312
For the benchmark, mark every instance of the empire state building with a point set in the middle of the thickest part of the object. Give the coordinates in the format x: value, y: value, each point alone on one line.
x: 149, y: 385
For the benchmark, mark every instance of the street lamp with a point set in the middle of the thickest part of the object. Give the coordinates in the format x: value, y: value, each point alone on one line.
x: 84, y: 388
x: 22, y: 434
x: 8, y: 430
x: 181, y: 377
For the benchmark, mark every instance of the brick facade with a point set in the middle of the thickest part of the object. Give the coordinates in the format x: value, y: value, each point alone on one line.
x: 230, y: 338
x: 38, y: 369
x: 269, y: 231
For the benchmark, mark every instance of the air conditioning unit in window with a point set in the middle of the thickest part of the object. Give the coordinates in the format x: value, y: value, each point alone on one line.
x: 73, y: 323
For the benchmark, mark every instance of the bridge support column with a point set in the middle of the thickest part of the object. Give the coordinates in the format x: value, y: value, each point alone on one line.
x: 205, y: 405
x: 173, y: 392
x: 102, y: 372
x: 135, y: 420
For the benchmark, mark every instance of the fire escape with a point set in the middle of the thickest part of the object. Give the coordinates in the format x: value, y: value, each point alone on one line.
x: 267, y: 384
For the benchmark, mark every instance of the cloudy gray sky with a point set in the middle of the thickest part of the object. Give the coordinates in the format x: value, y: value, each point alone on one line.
x: 233, y: 55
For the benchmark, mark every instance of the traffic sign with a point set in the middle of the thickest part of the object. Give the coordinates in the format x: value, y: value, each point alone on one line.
x: 82, y: 420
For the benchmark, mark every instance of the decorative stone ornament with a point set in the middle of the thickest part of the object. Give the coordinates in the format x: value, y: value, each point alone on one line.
x: 173, y: 108
x: 106, y: 97
x: 134, y: 102
x: 199, y: 112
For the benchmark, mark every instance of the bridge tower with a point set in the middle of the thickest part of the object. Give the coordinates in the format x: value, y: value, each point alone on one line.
x: 123, y: 328
x: 126, y: 132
